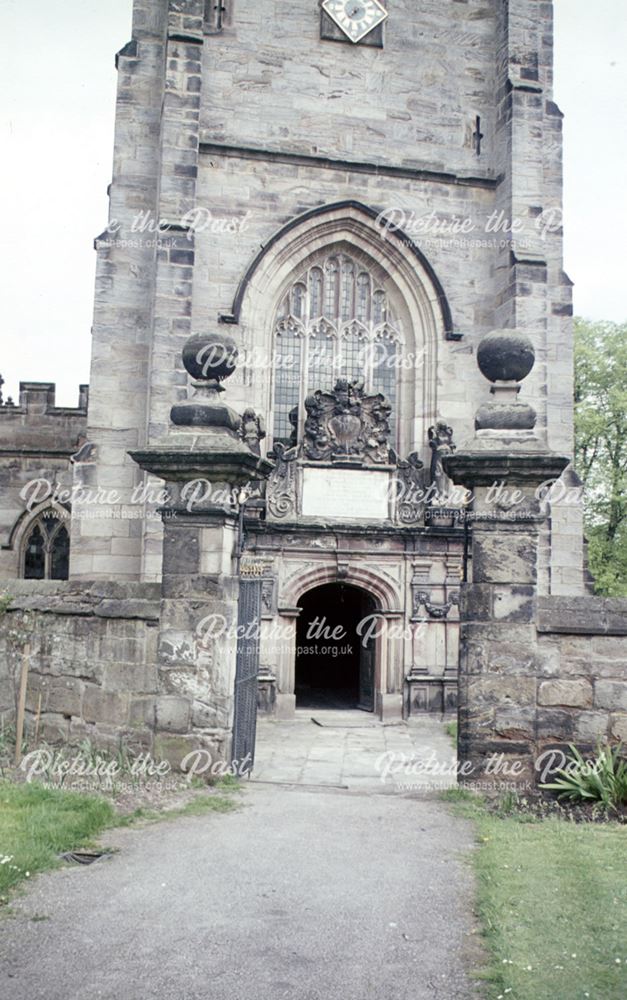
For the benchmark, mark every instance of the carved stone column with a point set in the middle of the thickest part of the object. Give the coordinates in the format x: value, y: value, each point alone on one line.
x: 286, y: 697
x: 389, y: 684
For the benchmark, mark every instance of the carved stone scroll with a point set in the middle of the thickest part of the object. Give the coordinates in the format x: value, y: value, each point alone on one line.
x: 281, y: 486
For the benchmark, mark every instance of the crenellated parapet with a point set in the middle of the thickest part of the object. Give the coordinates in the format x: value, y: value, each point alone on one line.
x: 37, y: 425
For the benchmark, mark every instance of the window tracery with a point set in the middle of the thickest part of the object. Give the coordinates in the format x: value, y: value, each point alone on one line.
x: 335, y: 321
x: 46, y: 548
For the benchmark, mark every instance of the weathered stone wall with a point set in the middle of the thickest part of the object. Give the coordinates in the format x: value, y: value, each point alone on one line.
x: 553, y: 673
x: 197, y: 674
x: 111, y: 662
x: 586, y: 640
x: 92, y: 666
x: 124, y: 304
x: 536, y: 672
x: 277, y: 84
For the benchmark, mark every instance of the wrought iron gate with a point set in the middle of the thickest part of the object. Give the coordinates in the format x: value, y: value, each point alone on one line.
x: 246, y: 671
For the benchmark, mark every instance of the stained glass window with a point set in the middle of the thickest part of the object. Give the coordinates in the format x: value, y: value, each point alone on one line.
x: 335, y: 320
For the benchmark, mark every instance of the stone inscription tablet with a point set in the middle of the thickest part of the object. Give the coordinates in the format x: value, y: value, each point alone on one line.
x: 350, y: 494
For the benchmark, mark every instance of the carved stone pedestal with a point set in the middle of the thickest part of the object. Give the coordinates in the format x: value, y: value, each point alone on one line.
x: 502, y: 467
x: 198, y: 629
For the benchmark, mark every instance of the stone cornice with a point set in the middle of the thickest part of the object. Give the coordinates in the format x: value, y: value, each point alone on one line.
x: 355, y: 166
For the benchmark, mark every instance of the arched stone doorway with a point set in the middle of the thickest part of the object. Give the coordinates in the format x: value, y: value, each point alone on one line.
x: 335, y: 662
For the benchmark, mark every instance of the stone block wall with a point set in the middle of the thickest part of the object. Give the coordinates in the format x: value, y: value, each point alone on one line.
x: 585, y: 639
x: 92, y: 665
x: 537, y: 672
x: 99, y: 668
x: 124, y: 301
x: 553, y: 678
x: 37, y: 423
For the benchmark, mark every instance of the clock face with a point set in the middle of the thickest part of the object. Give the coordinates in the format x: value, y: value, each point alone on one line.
x: 356, y: 18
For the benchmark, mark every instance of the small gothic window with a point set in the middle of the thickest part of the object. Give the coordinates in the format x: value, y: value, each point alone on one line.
x: 379, y: 309
x: 298, y: 300
x: 363, y: 297
x: 35, y: 556
x: 348, y: 282
x: 46, y: 552
x: 330, y: 288
x: 334, y: 321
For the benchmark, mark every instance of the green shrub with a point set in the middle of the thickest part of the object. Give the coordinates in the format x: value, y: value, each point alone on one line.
x: 602, y: 780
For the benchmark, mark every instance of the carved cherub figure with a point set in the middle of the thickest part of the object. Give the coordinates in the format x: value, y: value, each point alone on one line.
x: 252, y: 430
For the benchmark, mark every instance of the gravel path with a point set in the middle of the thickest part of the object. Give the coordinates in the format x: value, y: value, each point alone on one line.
x: 301, y: 893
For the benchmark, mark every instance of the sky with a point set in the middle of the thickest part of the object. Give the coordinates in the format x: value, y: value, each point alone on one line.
x: 57, y: 103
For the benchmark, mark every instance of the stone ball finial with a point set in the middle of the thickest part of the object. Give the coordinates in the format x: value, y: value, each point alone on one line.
x: 210, y: 357
x: 505, y: 356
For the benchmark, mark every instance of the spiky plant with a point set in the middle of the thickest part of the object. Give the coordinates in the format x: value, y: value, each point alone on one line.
x: 602, y: 780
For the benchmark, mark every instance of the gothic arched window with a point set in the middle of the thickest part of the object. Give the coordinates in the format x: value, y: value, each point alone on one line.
x: 335, y: 321
x: 46, y: 548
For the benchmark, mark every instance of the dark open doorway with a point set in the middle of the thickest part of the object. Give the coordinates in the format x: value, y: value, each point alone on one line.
x: 334, y: 663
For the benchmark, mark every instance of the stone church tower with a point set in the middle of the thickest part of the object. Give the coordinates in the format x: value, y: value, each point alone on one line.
x: 351, y: 194
x: 349, y: 209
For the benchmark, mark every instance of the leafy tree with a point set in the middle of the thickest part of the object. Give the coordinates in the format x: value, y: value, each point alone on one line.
x: 601, y: 447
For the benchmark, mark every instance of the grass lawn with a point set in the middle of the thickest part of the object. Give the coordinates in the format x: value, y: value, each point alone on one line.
x: 552, y: 898
x: 39, y: 823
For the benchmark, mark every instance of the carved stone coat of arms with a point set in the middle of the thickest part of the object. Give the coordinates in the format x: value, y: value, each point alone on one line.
x: 347, y: 424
